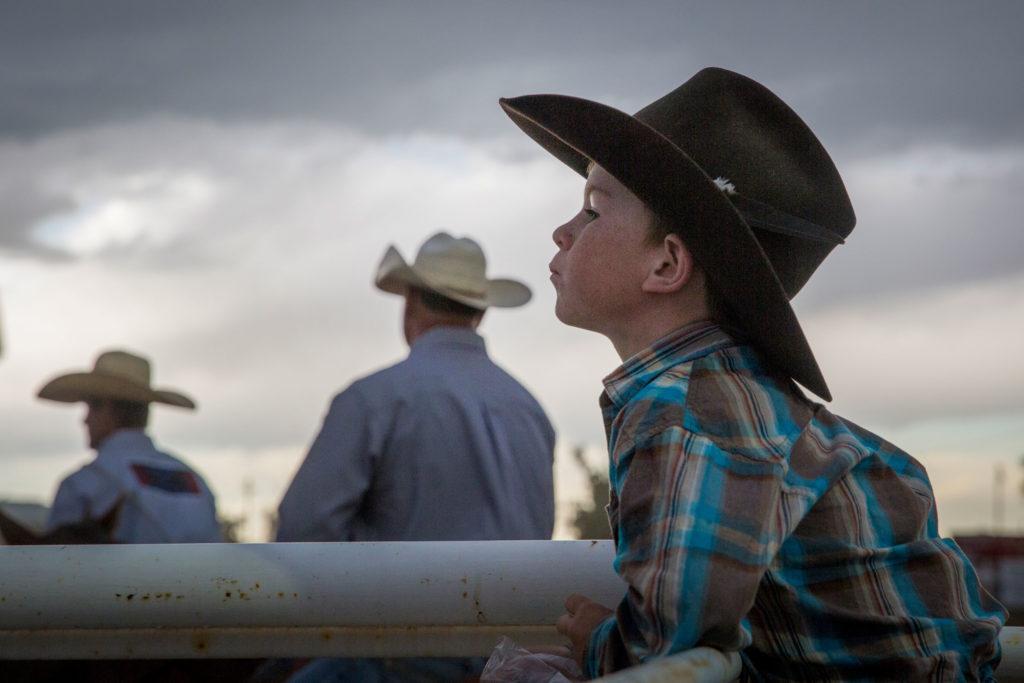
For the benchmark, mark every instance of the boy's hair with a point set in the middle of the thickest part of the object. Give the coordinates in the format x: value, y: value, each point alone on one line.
x: 130, y: 415
x: 439, y: 303
x: 661, y: 228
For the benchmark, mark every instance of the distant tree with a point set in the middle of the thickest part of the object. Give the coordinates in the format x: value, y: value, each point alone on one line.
x: 590, y: 520
x: 230, y: 526
x: 270, y: 517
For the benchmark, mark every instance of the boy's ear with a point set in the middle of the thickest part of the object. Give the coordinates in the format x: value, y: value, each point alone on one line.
x: 671, y: 267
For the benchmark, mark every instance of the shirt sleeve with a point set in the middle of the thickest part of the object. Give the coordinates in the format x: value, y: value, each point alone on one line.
x: 68, y: 507
x: 696, y: 529
x: 329, y: 487
x: 81, y: 496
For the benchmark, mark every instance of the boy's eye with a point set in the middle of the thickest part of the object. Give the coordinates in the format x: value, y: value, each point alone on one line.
x: 591, y: 214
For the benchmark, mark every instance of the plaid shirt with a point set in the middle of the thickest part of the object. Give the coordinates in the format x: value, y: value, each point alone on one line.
x: 747, y: 517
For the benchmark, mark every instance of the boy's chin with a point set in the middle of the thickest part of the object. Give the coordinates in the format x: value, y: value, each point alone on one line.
x: 572, y: 318
x: 565, y: 317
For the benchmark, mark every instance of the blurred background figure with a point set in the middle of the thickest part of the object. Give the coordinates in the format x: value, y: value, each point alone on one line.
x: 444, y: 445
x: 142, y: 494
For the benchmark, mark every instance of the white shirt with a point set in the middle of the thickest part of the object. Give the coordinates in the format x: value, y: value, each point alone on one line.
x: 442, y: 446
x: 162, y: 499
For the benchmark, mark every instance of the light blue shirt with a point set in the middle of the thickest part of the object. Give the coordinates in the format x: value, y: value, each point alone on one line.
x: 442, y: 446
x: 162, y: 499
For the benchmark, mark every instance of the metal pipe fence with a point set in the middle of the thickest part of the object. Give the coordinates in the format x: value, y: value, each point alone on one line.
x: 444, y: 599
x: 292, y: 599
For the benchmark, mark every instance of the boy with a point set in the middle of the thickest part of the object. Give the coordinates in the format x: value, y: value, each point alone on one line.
x: 746, y: 517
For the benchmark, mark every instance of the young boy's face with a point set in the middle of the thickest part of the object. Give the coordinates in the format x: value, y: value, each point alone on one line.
x: 603, y: 257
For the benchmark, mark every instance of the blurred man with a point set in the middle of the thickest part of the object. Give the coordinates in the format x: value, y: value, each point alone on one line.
x: 155, y: 498
x: 445, y: 445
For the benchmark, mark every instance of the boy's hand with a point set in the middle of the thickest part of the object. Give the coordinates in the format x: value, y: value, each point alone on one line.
x: 582, y: 616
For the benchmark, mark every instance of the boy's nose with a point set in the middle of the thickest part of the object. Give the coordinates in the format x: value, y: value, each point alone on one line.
x: 563, y: 236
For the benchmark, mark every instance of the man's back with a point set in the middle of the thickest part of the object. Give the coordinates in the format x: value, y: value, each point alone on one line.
x: 161, y: 499
x: 442, y: 446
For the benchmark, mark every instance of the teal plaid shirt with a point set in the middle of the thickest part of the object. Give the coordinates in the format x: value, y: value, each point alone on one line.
x: 748, y: 518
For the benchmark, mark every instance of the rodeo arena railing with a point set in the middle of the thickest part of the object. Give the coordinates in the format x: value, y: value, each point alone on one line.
x: 444, y: 599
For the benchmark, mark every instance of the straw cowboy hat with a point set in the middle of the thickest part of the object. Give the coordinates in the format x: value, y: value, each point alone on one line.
x: 743, y: 179
x: 454, y: 268
x: 117, y: 375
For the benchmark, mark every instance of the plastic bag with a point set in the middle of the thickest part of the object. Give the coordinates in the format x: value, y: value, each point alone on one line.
x: 510, y: 663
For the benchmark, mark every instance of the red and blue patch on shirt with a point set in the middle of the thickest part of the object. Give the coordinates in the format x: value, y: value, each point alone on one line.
x: 170, y: 481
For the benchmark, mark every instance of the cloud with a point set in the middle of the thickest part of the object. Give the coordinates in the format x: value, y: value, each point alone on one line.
x: 213, y: 183
x: 240, y: 259
x: 241, y: 262
x: 23, y: 204
x: 867, y: 80
x: 168, y: 193
x: 930, y: 216
x: 949, y: 353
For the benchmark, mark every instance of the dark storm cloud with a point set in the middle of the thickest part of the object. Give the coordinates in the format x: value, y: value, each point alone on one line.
x: 926, y: 221
x: 871, y: 78
x: 874, y: 73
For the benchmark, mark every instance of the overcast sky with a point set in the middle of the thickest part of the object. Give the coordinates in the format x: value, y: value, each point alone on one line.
x: 212, y: 184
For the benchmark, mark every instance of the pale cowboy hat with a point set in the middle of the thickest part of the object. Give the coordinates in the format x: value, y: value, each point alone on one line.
x: 454, y: 268
x: 118, y: 376
x: 744, y: 181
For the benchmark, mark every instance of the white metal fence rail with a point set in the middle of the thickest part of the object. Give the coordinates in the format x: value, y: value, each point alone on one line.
x: 316, y: 599
x: 291, y: 599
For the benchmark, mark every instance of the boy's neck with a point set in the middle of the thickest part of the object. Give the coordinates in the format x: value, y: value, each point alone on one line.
x: 642, y: 333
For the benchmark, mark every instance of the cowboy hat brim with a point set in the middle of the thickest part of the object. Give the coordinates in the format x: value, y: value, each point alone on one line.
x: 395, y: 276
x: 663, y: 176
x: 86, y: 386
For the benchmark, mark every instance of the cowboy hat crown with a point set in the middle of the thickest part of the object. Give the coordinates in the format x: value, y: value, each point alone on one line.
x: 741, y: 177
x: 455, y: 268
x: 766, y: 160
x: 116, y: 375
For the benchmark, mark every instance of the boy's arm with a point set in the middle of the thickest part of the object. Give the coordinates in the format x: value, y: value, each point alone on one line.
x: 697, y: 527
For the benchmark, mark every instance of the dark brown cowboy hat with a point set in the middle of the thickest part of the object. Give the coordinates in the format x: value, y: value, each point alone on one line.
x: 743, y: 179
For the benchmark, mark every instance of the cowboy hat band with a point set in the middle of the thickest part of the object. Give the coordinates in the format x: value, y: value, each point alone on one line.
x: 718, y: 137
x: 117, y: 376
x: 453, y: 268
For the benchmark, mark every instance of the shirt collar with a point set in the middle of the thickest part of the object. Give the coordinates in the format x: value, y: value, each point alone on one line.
x: 124, y: 441
x: 682, y: 345
x: 448, y: 336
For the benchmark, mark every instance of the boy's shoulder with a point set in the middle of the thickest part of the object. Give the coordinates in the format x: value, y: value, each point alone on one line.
x: 727, y: 397
x: 731, y: 400
x: 737, y: 403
